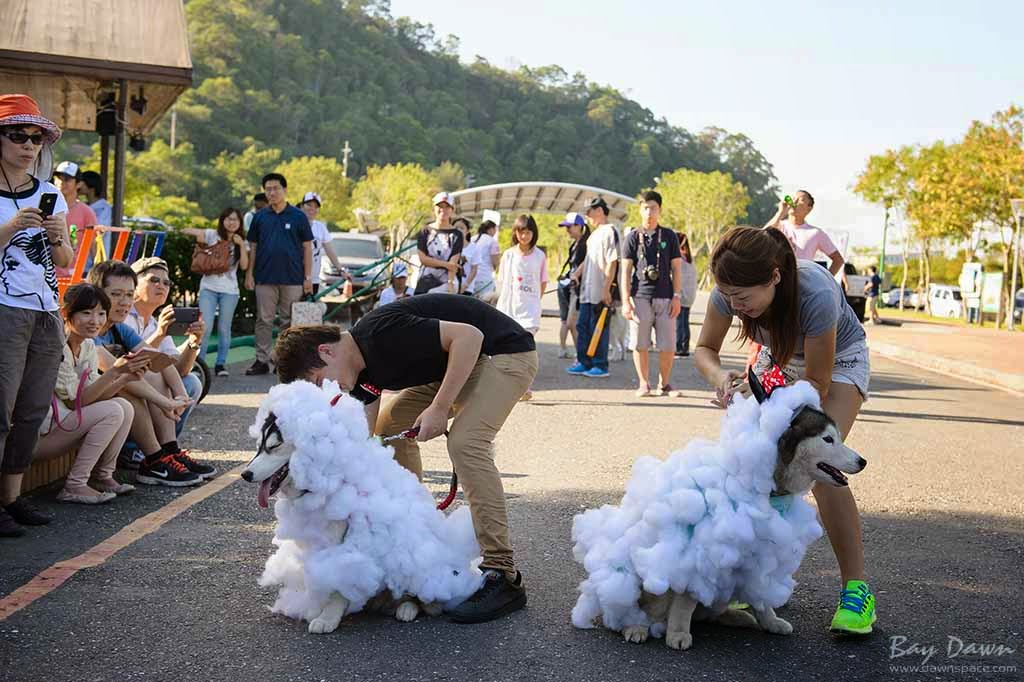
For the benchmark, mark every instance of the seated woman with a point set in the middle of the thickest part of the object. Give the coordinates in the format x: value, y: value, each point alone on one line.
x: 85, y: 412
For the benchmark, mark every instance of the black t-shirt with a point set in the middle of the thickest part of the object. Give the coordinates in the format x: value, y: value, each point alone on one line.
x: 876, y: 284
x: 577, y: 254
x: 401, y: 341
x: 439, y: 244
x: 660, y: 247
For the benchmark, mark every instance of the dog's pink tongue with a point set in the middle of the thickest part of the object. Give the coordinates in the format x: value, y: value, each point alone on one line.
x: 263, y: 495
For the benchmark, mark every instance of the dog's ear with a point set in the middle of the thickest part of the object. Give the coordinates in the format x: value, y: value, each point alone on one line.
x: 755, y: 385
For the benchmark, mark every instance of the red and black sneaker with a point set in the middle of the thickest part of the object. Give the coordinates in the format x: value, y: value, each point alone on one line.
x: 166, y: 471
x: 203, y: 471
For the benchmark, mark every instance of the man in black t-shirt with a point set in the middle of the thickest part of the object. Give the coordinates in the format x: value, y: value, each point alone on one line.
x: 450, y: 357
x: 652, y: 292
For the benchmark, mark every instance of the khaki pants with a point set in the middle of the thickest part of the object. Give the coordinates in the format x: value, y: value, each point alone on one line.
x: 273, y: 300
x: 493, y: 389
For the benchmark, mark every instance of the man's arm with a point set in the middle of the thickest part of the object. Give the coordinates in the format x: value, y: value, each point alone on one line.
x: 462, y: 342
x: 307, y: 267
x: 837, y: 262
x: 250, y: 282
x: 781, y: 214
x: 677, y: 287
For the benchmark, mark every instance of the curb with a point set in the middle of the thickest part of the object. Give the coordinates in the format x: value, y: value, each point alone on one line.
x: 1011, y: 383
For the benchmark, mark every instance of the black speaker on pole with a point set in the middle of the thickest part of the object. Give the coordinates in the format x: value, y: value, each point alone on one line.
x: 106, y: 115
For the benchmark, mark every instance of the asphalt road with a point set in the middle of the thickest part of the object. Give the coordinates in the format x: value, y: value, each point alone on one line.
x: 942, y: 501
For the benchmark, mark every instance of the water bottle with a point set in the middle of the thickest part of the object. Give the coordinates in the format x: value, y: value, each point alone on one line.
x: 789, y: 200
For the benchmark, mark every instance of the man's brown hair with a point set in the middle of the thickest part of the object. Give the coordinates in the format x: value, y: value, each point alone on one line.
x: 297, y: 353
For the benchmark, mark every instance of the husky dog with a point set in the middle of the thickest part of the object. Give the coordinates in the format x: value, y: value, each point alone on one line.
x: 716, y: 523
x: 355, y: 530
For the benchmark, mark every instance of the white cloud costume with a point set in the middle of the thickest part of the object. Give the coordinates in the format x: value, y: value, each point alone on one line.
x: 699, y: 522
x: 396, y: 539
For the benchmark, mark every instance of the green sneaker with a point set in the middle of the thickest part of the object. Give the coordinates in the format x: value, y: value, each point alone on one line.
x: 856, y: 612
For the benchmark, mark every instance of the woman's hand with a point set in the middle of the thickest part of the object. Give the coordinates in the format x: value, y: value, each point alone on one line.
x: 237, y: 239
x: 451, y: 267
x: 729, y: 383
x: 56, y: 228
x: 24, y: 219
x: 129, y: 365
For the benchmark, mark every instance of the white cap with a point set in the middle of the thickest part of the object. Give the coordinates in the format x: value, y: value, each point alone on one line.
x: 493, y: 216
x: 399, y: 270
x: 443, y: 198
x: 69, y: 168
x: 312, y: 196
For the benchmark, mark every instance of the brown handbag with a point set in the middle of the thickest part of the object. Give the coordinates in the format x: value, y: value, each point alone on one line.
x: 212, y: 260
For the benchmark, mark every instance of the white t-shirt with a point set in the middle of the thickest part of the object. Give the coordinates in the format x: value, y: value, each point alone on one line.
x: 390, y: 296
x: 484, y: 249
x: 321, y: 236
x: 522, y: 278
x: 28, y: 278
x: 225, y: 282
x: 601, y: 250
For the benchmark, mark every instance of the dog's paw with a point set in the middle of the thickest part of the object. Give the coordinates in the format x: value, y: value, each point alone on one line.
x: 322, y: 626
x: 777, y: 626
x: 680, y: 641
x: 407, y: 611
x: 637, y: 634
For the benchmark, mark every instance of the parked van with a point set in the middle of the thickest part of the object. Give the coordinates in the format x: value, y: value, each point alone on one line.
x: 946, y: 300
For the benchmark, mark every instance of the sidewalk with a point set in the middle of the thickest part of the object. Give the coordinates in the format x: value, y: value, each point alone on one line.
x: 990, y: 356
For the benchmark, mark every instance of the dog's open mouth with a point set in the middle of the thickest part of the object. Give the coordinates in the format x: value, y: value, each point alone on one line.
x: 270, y: 486
x: 838, y: 476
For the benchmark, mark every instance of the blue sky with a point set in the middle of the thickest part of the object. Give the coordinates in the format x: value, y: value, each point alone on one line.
x: 819, y: 87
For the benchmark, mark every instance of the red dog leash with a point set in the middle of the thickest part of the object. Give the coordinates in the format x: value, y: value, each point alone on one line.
x: 453, y: 489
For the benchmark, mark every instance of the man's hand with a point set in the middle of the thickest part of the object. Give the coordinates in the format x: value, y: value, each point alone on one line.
x: 250, y: 283
x: 195, y: 331
x: 606, y: 297
x: 307, y: 287
x: 164, y: 322
x: 675, y: 308
x: 783, y: 209
x: 627, y: 309
x: 431, y: 422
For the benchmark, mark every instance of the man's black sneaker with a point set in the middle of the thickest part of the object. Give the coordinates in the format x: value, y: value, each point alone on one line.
x: 497, y: 597
x: 257, y: 368
x: 166, y: 471
x: 8, y: 527
x: 221, y: 371
x: 203, y: 471
x: 25, y: 514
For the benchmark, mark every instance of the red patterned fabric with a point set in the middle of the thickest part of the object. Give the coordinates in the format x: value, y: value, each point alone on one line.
x: 772, y: 379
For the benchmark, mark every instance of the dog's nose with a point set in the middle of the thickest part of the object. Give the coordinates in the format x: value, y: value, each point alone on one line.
x: 861, y: 462
x: 247, y: 476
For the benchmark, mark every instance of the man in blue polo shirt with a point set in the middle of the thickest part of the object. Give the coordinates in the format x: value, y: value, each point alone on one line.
x: 280, y: 265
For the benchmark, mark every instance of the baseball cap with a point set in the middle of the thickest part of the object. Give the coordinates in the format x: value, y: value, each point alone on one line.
x: 573, y: 219
x: 312, y: 196
x: 143, y: 264
x: 443, y: 198
x: 68, y: 168
x: 400, y: 270
x: 595, y: 202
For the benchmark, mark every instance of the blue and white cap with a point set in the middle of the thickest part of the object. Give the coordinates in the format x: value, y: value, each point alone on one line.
x: 399, y: 270
x: 443, y: 198
x: 573, y: 219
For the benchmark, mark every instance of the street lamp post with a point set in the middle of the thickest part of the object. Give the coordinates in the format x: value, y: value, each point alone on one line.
x: 885, y: 231
x: 1018, y: 210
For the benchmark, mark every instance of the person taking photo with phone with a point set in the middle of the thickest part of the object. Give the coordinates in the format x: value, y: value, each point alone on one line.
x: 157, y: 409
x: 35, y: 241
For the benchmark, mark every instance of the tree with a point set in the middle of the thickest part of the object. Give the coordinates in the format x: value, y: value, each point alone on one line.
x: 992, y: 168
x: 240, y: 174
x: 397, y: 196
x: 324, y: 176
x: 450, y: 176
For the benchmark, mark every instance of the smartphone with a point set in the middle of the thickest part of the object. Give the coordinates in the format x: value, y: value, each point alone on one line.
x: 47, y: 203
x: 183, y: 317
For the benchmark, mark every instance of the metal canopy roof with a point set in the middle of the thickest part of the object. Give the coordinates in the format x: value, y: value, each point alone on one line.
x: 537, y: 197
x: 67, y: 54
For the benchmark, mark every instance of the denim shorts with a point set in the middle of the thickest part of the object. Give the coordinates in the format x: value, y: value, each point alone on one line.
x: 852, y: 366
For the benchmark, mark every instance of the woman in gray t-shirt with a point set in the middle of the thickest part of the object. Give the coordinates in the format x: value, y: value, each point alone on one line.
x: 797, y: 311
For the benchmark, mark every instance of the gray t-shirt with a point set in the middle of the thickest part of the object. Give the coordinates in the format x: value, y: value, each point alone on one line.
x: 822, y: 306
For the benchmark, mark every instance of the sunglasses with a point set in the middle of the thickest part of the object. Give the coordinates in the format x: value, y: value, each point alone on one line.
x: 18, y: 137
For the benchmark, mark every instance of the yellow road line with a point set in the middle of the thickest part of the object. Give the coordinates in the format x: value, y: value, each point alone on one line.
x: 56, y: 575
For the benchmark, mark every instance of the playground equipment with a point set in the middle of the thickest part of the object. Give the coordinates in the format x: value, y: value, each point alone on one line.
x: 137, y: 243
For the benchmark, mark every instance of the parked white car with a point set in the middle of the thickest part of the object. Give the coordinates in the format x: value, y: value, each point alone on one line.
x: 946, y: 301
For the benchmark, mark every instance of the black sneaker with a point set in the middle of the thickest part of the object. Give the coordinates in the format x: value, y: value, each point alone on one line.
x: 203, y: 471
x: 166, y: 471
x: 497, y: 597
x: 25, y: 514
x: 9, y: 527
x: 257, y: 368
x: 221, y: 371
